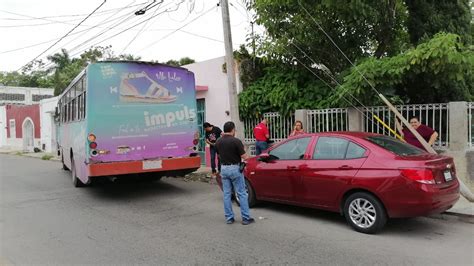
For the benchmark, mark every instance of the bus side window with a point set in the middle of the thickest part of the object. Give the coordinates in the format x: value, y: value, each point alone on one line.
x: 84, y: 105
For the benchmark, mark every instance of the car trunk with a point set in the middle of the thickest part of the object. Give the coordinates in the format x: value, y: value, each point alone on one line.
x: 442, y: 167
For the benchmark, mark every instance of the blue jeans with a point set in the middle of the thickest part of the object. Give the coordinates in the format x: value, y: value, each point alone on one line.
x: 260, y: 146
x: 213, y: 152
x: 232, y: 177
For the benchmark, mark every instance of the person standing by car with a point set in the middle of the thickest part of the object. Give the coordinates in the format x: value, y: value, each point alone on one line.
x: 426, y: 132
x: 297, y: 129
x: 231, y: 152
x: 262, y: 135
x: 212, y: 134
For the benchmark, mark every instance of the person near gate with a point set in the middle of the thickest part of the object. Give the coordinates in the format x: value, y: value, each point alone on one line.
x: 262, y: 135
x: 213, y: 133
x: 426, y: 132
x: 231, y: 153
x: 297, y: 129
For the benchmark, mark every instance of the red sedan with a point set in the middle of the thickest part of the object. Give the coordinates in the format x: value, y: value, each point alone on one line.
x: 366, y: 177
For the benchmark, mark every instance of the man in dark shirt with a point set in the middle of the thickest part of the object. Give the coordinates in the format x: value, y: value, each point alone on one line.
x: 212, y: 134
x: 426, y: 133
x: 231, y: 152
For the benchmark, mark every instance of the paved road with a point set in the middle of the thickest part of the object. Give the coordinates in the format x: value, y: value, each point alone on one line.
x: 47, y: 221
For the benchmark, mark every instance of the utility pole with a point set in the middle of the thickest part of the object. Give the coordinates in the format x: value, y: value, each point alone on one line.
x: 229, y: 59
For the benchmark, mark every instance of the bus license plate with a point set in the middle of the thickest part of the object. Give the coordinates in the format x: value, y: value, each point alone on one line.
x: 148, y: 165
x: 448, y: 176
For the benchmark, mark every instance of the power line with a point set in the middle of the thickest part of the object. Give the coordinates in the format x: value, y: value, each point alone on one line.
x: 64, y: 22
x: 202, y: 36
x: 64, y: 35
x: 59, y: 16
x: 176, y: 30
x: 109, y: 37
x: 334, y: 43
x: 141, y: 30
x: 39, y: 24
x: 339, y: 84
x: 103, y: 22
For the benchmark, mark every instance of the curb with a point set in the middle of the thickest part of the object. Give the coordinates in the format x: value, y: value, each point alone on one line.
x: 453, y: 216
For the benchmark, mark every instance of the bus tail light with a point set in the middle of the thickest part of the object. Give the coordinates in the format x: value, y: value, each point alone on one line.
x: 93, y: 145
x: 94, y: 153
x: 91, y: 137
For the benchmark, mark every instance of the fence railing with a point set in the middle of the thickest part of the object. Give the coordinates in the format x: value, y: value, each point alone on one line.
x: 435, y: 116
x: 335, y: 119
x: 470, y: 123
x: 280, y: 127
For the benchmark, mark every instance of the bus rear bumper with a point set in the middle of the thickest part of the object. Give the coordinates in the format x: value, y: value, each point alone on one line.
x: 172, y: 166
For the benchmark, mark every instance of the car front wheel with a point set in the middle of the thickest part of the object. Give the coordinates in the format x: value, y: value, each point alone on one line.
x: 364, y: 213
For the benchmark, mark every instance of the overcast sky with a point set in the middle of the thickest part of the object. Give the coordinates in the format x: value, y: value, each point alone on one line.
x: 25, y: 23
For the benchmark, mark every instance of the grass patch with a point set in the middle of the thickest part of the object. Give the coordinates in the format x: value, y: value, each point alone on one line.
x: 47, y: 157
x: 19, y: 153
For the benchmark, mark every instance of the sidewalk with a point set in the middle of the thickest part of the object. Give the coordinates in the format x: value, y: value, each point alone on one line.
x: 462, y: 208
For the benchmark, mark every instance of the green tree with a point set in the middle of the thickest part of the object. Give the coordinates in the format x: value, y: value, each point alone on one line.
x: 30, y: 76
x: 439, y: 70
x: 428, y: 17
x: 360, y: 28
x: 181, y: 62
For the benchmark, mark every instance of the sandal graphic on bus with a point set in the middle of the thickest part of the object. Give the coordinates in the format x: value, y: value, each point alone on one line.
x: 155, y: 93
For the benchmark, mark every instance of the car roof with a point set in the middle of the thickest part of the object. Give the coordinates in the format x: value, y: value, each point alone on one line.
x: 357, y: 134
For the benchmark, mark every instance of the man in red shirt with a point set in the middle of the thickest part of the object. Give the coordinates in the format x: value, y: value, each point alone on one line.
x: 426, y: 133
x: 262, y: 135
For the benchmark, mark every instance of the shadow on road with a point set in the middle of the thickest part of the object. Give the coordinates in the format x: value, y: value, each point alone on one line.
x: 324, y: 216
x: 131, y: 189
x: 413, y: 227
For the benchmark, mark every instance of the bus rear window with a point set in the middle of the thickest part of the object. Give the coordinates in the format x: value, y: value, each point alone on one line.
x: 395, y: 146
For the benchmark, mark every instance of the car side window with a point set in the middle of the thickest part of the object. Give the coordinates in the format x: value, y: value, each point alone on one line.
x: 354, y: 151
x: 291, y: 150
x: 330, y: 148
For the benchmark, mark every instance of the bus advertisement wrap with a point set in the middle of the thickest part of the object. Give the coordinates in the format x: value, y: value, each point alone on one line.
x: 141, y: 111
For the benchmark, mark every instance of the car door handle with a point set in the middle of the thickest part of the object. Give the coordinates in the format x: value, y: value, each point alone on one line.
x: 291, y: 167
x: 345, y: 167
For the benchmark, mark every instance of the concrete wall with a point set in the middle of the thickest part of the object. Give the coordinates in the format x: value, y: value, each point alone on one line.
x: 48, y: 129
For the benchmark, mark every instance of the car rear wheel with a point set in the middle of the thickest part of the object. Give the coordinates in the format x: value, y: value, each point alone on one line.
x: 364, y: 213
x: 251, y: 195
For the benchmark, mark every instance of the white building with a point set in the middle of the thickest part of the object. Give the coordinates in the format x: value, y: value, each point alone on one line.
x: 23, y: 95
x: 20, y: 116
x: 48, y: 127
x: 212, y: 90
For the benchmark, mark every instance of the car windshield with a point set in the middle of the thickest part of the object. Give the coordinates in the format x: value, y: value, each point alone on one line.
x: 395, y: 146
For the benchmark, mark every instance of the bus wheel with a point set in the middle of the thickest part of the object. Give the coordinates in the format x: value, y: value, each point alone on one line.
x: 64, y: 166
x: 75, y: 181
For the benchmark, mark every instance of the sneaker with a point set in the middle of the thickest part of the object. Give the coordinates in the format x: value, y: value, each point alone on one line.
x: 230, y: 221
x: 248, y: 221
